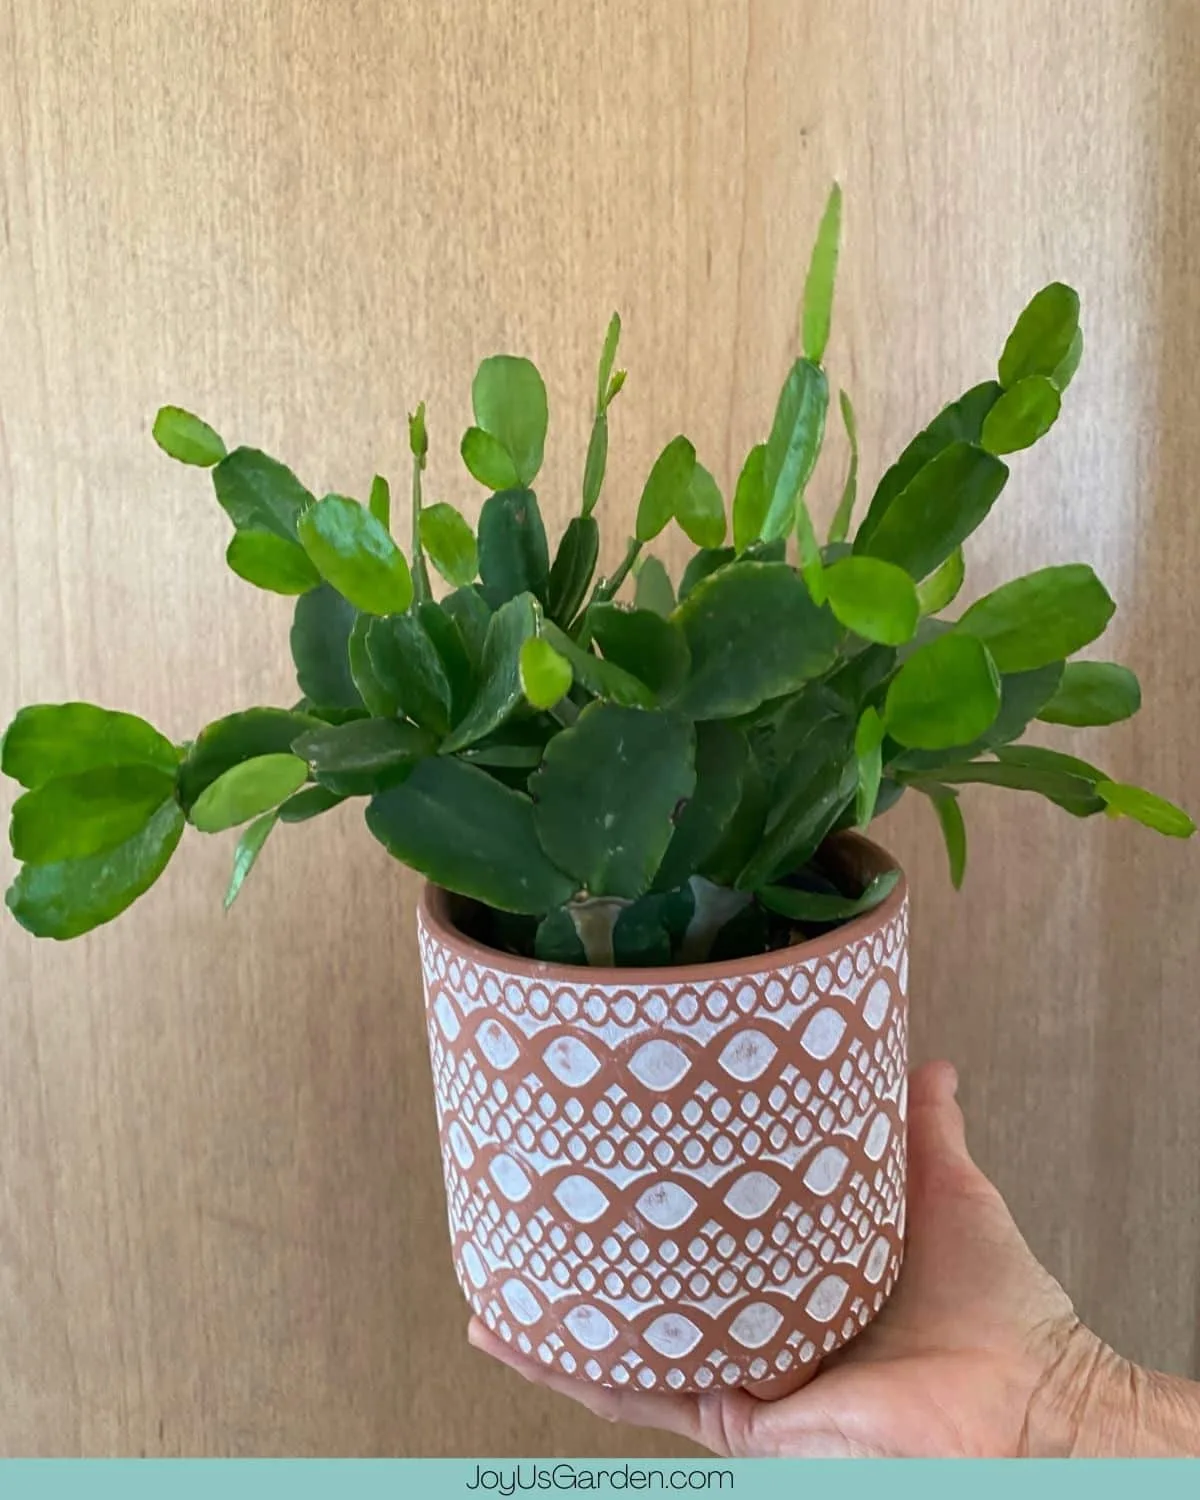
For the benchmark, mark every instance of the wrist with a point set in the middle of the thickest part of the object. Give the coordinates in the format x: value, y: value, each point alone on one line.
x: 1078, y: 1402
x: 1092, y: 1403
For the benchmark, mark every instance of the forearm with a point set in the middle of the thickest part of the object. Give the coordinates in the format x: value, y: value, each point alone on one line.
x: 1094, y: 1404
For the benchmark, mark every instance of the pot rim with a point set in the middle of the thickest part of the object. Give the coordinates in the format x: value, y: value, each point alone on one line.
x: 434, y: 910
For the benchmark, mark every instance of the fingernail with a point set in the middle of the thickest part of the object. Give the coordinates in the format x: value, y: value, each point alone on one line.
x: 953, y: 1081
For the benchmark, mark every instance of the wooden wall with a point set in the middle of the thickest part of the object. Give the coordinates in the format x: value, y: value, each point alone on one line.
x: 221, y: 1219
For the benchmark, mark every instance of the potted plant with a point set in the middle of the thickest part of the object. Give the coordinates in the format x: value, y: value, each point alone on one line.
x: 665, y: 971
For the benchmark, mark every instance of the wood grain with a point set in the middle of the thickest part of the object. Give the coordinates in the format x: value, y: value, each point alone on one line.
x: 221, y: 1219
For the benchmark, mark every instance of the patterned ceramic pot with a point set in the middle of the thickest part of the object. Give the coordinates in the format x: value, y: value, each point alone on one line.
x: 675, y: 1178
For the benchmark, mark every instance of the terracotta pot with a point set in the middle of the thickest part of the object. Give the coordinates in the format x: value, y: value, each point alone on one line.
x: 681, y: 1178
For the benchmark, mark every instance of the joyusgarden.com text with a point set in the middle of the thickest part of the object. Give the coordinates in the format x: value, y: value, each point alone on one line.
x: 565, y: 1476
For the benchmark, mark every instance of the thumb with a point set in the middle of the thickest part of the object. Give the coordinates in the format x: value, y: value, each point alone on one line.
x: 937, y: 1142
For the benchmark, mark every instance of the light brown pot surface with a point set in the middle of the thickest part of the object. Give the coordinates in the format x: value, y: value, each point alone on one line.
x: 675, y: 1178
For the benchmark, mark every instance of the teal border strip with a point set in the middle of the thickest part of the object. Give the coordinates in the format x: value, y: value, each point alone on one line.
x: 479, y: 1479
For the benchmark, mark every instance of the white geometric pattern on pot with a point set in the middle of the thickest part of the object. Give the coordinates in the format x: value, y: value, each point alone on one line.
x: 676, y: 1184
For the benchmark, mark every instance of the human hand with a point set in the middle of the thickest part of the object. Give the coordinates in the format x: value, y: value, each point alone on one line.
x: 978, y: 1353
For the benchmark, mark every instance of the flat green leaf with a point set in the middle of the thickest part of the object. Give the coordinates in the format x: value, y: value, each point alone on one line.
x: 418, y: 436
x: 603, y: 679
x: 234, y: 739
x: 722, y: 757
x: 709, y: 560
x: 946, y: 693
x: 793, y: 445
x: 87, y: 813
x: 608, y: 357
x: 379, y: 702
x: 754, y: 634
x: 750, y: 499
x: 457, y: 660
x: 890, y: 792
x: 1042, y: 336
x: 651, y: 648
x: 471, y: 615
x: 941, y: 588
x: 811, y: 768
x: 819, y: 283
x: 875, y: 599
x: 546, y: 675
x: 667, y: 488
x: 652, y: 587
x: 186, y: 438
x: 309, y: 803
x: 839, y: 527
x: 1093, y: 692
x: 354, y: 553
x: 509, y: 401
x: 463, y: 830
x: 407, y: 666
x: 500, y: 691
x: 928, y: 630
x: 959, y: 422
x: 516, y: 746
x: 330, y: 715
x: 859, y: 681
x: 812, y: 569
x: 649, y: 931
x: 702, y: 565
x: 744, y: 830
x: 1023, y: 414
x: 788, y: 723
x: 557, y: 939
x: 513, y: 556
x: 270, y: 562
x: 364, y: 757
x: 379, y: 502
x: 68, y: 899
x: 595, y: 463
x: 249, y: 847
x: 449, y: 544
x: 49, y: 740
x: 500, y: 757
x: 1039, y: 757
x: 821, y: 785
x: 937, y: 510
x: 815, y: 906
x: 573, y: 570
x: 700, y: 509
x: 488, y: 460
x: 1022, y: 695
x: 639, y: 936
x: 868, y: 747
x: 246, y: 790
x: 1040, y: 618
x: 606, y: 795
x: 954, y: 831
x: 1076, y: 794
x: 320, y: 642
x: 258, y: 493
x: 1145, y: 807
x: 1065, y: 372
